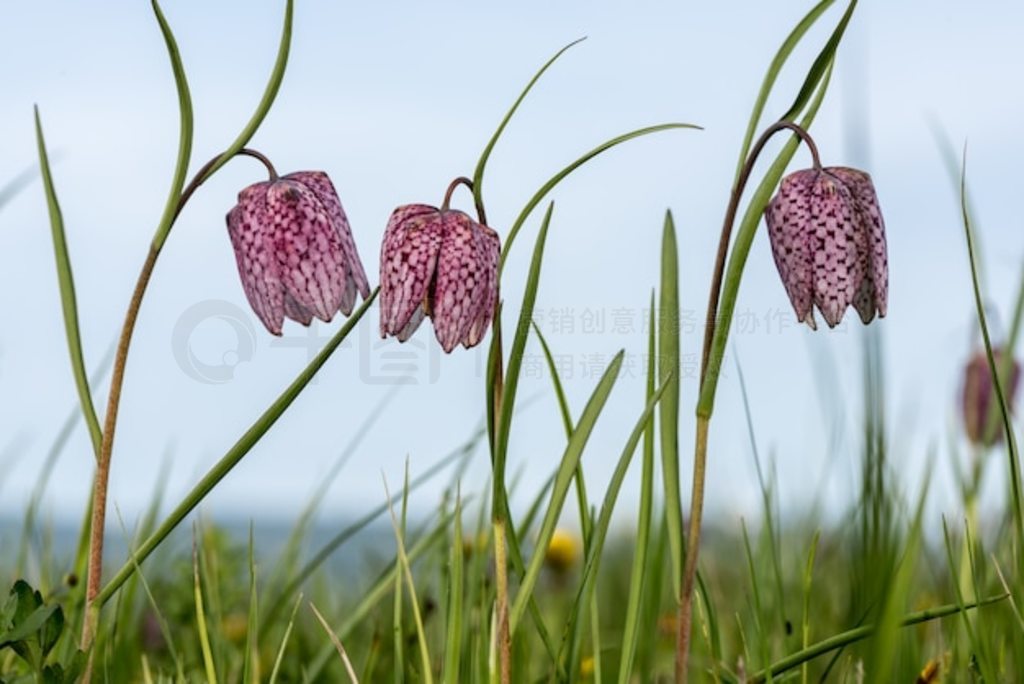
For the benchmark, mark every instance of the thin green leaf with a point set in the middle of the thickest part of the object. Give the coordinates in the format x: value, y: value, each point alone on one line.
x: 204, y: 636
x: 453, y: 627
x: 68, y: 301
x: 515, y: 364
x: 478, y: 172
x: 638, y: 573
x: 668, y: 412
x: 242, y: 447
x: 588, y: 582
x: 785, y: 50
x: 284, y: 642
x: 572, y: 454
x: 185, y: 130
x: 857, y: 634
x: 338, y: 646
x: 558, y: 177
x: 822, y: 64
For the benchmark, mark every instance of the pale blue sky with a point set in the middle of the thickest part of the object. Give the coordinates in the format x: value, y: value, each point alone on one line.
x: 395, y: 99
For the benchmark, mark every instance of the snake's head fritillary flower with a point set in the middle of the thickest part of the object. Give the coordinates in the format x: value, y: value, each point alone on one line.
x: 442, y: 264
x: 828, y: 239
x: 295, y: 251
x: 978, y: 402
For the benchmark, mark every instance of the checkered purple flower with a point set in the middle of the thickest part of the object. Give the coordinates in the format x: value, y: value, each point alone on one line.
x: 828, y: 239
x: 978, y: 399
x: 295, y: 251
x: 442, y: 264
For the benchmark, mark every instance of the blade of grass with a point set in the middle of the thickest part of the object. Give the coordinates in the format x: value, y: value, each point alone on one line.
x: 805, y: 629
x: 185, y: 134
x: 572, y: 454
x: 774, y: 67
x: 588, y: 581
x: 68, y: 301
x: 346, y: 534
x: 821, y: 66
x: 235, y: 454
x: 337, y: 644
x: 478, y: 172
x: 979, y: 653
x: 1011, y: 440
x: 406, y: 570
x: 668, y: 411
x: 284, y: 642
x: 250, y: 656
x: 842, y: 639
x: 558, y: 177
x: 453, y: 628
x: 262, y: 108
x: 204, y: 637
x: 638, y: 572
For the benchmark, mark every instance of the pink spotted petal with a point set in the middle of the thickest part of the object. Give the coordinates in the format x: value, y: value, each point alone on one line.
x: 408, y: 258
x: 295, y: 311
x: 834, y: 237
x: 308, y: 248
x: 874, y: 290
x: 254, y: 253
x: 355, y: 277
x: 489, y: 245
x: 414, y: 323
x: 460, y: 296
x: 786, y: 215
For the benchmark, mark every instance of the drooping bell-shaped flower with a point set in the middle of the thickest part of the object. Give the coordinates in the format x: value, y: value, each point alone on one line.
x: 295, y: 251
x: 442, y: 264
x: 828, y: 239
x: 978, y: 402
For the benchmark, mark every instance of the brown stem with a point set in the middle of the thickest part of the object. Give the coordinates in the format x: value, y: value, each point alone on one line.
x: 102, y: 478
x: 730, y: 218
x: 688, y: 580
x: 462, y: 180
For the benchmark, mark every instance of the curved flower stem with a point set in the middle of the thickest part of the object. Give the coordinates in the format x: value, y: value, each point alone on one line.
x: 703, y: 421
x: 478, y: 201
x: 730, y: 219
x: 99, y: 501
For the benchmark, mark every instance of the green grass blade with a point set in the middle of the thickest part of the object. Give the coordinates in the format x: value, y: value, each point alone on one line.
x: 822, y: 64
x: 284, y: 642
x: 1011, y: 440
x: 376, y: 593
x: 805, y: 624
x: 588, y: 582
x: 515, y: 364
x: 69, y: 304
x: 478, y: 172
x: 556, y: 381
x: 456, y: 589
x: 405, y: 569
x: 859, y: 633
x: 339, y: 647
x: 250, y: 656
x: 185, y: 133
x: 785, y: 50
x: 573, y: 452
x: 338, y: 540
x: 668, y: 371
x: 638, y: 573
x: 558, y: 177
x: 204, y: 637
x: 262, y: 108
x: 242, y: 447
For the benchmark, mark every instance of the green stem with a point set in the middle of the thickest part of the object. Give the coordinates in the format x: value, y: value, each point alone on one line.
x: 850, y: 636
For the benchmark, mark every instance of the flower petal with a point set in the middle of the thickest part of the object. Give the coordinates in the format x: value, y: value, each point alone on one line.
x: 408, y: 258
x: 247, y: 227
x: 295, y: 311
x: 786, y: 215
x: 462, y: 280
x: 321, y: 186
x: 873, y: 293
x: 489, y: 245
x: 308, y: 248
x: 833, y: 235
